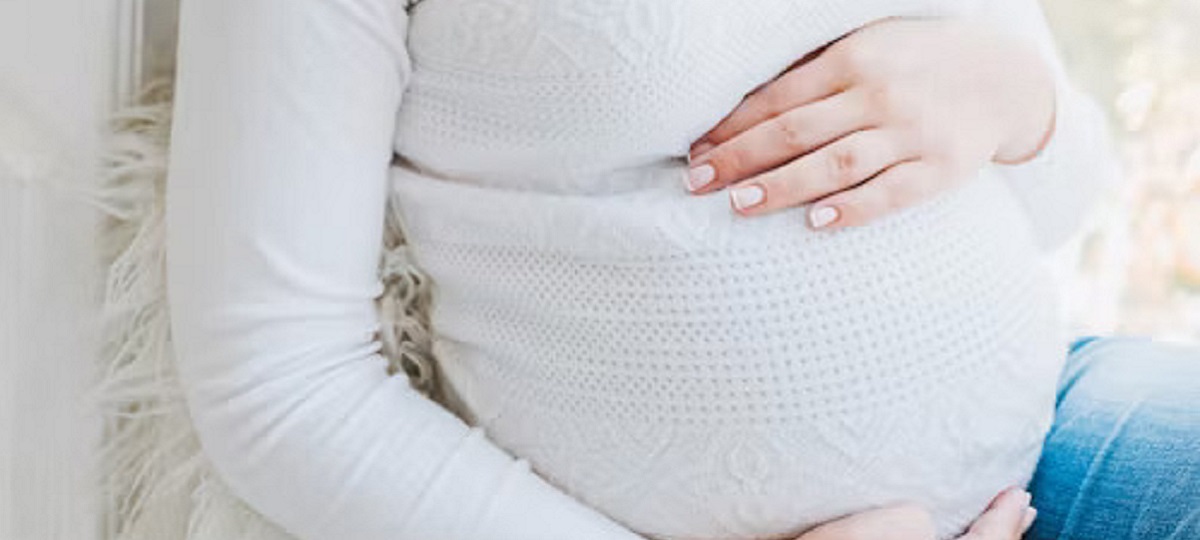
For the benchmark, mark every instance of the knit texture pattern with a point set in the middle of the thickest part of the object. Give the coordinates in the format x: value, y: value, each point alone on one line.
x: 689, y: 372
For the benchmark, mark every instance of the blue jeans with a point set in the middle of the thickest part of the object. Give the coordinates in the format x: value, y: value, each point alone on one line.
x: 1122, y: 461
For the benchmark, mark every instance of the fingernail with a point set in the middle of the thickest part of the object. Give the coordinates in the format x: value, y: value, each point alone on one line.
x: 700, y: 148
x: 822, y: 216
x: 1027, y: 520
x: 1010, y: 491
x: 1022, y: 496
x: 744, y: 197
x: 700, y: 176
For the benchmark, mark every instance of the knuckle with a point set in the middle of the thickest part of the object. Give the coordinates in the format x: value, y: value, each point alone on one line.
x: 843, y: 165
x: 791, y: 131
x: 751, y: 106
x: 731, y: 161
x: 885, y: 101
x: 772, y: 98
x: 856, y: 56
x: 788, y: 90
x: 787, y: 84
x: 719, y: 133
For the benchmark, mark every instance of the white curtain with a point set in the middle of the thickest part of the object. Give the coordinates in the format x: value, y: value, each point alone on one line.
x: 56, y: 71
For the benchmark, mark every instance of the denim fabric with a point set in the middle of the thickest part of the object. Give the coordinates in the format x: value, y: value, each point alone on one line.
x: 1122, y: 461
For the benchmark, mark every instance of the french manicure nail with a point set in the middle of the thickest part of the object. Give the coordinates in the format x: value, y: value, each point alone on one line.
x: 744, y: 197
x: 1028, y: 518
x: 700, y: 176
x: 822, y: 216
x: 701, y: 148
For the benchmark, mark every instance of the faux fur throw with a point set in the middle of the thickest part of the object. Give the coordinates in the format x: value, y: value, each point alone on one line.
x: 157, y: 483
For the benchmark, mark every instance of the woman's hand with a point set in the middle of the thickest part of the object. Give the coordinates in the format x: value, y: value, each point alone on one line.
x: 884, y: 118
x: 1007, y: 518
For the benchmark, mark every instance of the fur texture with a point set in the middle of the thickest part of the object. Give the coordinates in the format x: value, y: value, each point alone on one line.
x: 157, y: 484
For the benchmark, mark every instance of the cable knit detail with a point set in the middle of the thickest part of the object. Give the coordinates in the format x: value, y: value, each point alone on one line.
x: 754, y: 380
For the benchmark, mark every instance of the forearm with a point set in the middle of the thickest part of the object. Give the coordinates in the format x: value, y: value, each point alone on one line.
x: 279, y: 175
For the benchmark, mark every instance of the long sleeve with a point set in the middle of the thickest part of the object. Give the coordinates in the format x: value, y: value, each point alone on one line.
x: 285, y: 116
x: 1061, y: 184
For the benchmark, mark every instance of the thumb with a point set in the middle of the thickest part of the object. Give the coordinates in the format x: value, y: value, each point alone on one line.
x: 1006, y: 518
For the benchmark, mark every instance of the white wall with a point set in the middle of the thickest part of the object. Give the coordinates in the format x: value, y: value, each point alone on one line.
x: 56, y: 86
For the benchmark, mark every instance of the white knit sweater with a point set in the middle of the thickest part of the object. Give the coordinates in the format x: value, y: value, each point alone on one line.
x: 669, y: 369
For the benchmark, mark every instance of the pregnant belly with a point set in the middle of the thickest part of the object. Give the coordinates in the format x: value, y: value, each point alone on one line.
x: 695, y: 374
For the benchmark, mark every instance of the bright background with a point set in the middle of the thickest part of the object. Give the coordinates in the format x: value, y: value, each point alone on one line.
x: 60, y: 72
x: 1140, y: 272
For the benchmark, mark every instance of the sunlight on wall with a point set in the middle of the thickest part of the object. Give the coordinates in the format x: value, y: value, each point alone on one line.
x: 1141, y: 60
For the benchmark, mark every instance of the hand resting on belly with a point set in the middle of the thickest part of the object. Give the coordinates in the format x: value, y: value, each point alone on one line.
x: 880, y: 120
x: 868, y: 126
